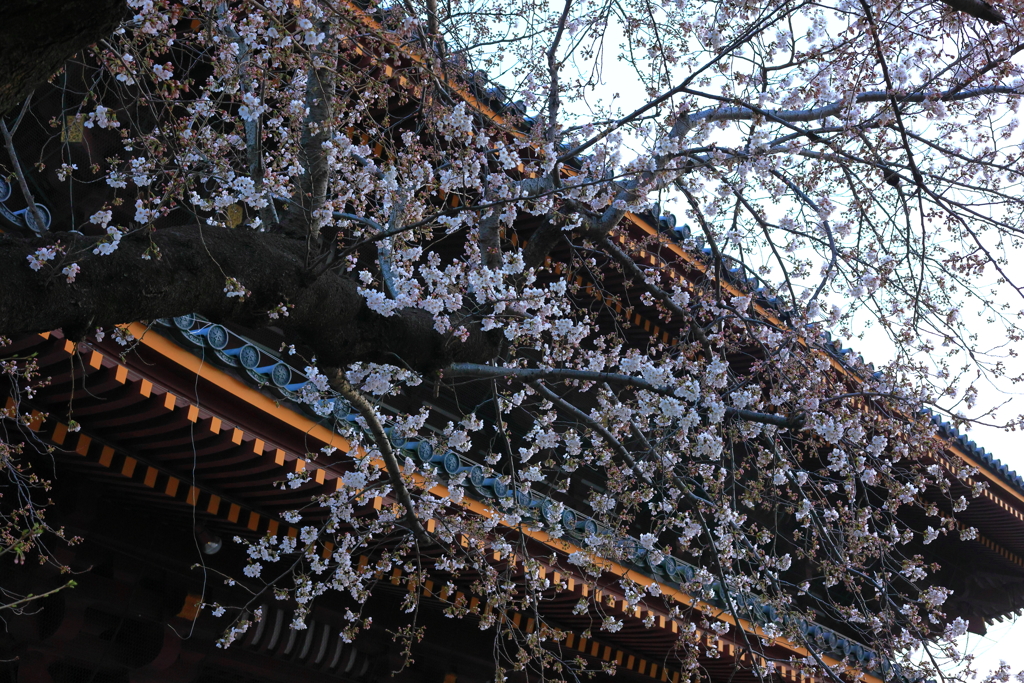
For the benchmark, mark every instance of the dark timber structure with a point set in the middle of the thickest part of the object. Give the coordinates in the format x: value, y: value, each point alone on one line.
x: 183, y: 437
x: 181, y: 442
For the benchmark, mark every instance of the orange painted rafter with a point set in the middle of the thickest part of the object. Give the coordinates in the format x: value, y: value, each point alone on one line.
x: 211, y: 373
x: 168, y: 349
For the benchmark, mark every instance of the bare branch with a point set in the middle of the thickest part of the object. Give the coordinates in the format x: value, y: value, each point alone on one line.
x: 534, y: 374
x: 356, y: 399
x: 630, y: 266
x: 553, y: 66
x: 744, y: 112
x: 596, y: 426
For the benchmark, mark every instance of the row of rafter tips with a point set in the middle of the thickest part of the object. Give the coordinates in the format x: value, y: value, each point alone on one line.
x: 587, y: 646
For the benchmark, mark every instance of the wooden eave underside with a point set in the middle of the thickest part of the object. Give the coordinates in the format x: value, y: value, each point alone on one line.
x: 147, y: 442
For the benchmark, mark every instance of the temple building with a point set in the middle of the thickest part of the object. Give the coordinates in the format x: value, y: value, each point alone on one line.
x: 181, y: 440
x: 180, y: 445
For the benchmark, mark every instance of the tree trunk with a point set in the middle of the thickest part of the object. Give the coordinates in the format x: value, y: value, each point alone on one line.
x: 37, y: 36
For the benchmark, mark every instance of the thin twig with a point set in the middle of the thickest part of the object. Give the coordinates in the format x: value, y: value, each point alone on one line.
x: 32, y: 598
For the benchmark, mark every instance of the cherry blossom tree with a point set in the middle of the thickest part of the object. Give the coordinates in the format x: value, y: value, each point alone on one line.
x: 437, y: 195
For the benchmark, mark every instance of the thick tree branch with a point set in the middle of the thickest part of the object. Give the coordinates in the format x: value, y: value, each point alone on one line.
x: 535, y: 374
x: 542, y: 241
x: 37, y: 36
x: 554, y: 94
x: 328, y: 315
x: 977, y: 8
x: 489, y: 231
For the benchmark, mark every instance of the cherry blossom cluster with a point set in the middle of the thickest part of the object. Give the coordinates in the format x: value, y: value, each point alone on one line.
x: 828, y: 166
